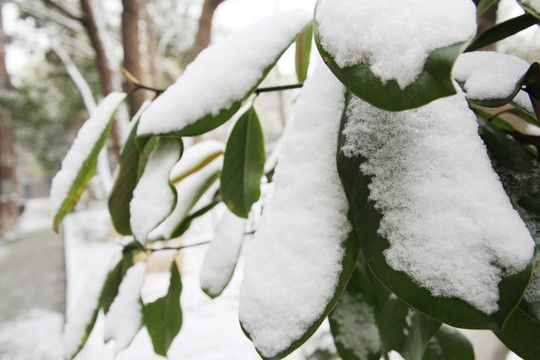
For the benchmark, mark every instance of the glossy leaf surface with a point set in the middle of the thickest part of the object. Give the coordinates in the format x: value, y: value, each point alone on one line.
x: 243, y: 165
x: 448, y: 344
x: 163, y: 317
x: 303, y: 53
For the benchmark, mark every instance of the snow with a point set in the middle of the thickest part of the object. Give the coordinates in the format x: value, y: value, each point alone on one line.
x: 153, y: 199
x: 220, y: 76
x: 158, y: 277
x: 450, y: 225
x: 188, y: 191
x: 533, y: 4
x: 362, y: 334
x: 523, y: 101
x: 385, y: 34
x: 82, y: 146
x: 125, y: 314
x: 489, y: 75
x: 294, y: 261
x: 196, y: 157
x: 220, y: 259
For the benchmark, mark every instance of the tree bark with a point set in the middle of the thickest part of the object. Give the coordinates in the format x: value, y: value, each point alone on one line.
x: 9, y: 195
x: 130, y: 43
x: 202, y: 39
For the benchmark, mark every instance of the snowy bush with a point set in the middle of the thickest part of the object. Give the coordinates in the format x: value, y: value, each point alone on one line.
x: 400, y: 204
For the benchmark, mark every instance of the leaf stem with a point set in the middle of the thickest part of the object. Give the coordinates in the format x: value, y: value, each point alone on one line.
x: 278, y: 88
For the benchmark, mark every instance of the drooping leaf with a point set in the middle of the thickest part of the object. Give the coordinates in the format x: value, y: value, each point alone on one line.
x: 303, y: 53
x: 405, y: 200
x: 226, y: 73
x: 448, y: 344
x: 243, y: 165
x: 531, y: 7
x: 303, y: 253
x: 490, y: 78
x: 126, y: 180
x: 520, y: 334
x: 80, y: 163
x: 404, y: 329
x: 195, y: 158
x: 353, y: 320
x: 154, y: 197
x: 502, y: 30
x: 163, y: 317
x: 519, y: 172
x: 370, y: 71
x: 222, y: 254
x: 115, y: 276
x: 190, y: 190
x: 483, y: 5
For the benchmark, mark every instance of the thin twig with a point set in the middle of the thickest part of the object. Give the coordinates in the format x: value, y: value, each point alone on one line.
x: 278, y: 88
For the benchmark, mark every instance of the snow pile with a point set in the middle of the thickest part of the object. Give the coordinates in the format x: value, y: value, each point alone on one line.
x: 220, y: 259
x: 223, y: 73
x: 82, y: 146
x: 153, y: 198
x: 294, y: 261
x: 393, y: 37
x: 125, y: 315
x: 489, y: 75
x: 450, y: 225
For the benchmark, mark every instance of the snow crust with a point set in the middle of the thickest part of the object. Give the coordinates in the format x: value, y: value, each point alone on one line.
x: 394, y: 37
x: 223, y: 73
x: 125, y: 315
x: 220, y: 259
x: 188, y: 191
x: 294, y: 261
x: 152, y: 198
x: 488, y: 75
x: 362, y: 335
x: 82, y: 146
x: 450, y: 225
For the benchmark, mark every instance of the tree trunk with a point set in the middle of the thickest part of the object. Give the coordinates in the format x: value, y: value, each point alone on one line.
x: 9, y: 195
x: 202, y: 39
x: 105, y: 74
x: 130, y: 42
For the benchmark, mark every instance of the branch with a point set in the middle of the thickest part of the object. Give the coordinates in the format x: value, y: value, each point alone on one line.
x: 62, y: 9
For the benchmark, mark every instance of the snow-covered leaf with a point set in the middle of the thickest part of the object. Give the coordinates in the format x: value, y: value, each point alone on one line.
x: 220, y: 259
x: 189, y: 191
x: 448, y: 344
x: 213, y: 86
x: 163, y: 317
x: 519, y: 172
x: 125, y: 317
x: 502, y: 30
x: 243, y: 165
x: 80, y: 162
x: 154, y: 197
x: 531, y: 6
x: 195, y: 158
x: 126, y: 179
x: 115, y: 276
x: 303, y: 53
x: 434, y: 222
x: 383, y: 55
x: 302, y: 255
x: 353, y: 319
x: 404, y: 329
x: 490, y: 78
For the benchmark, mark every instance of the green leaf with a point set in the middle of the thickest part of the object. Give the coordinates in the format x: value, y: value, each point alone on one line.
x: 434, y: 82
x: 243, y: 165
x: 126, y: 180
x: 186, y: 223
x: 303, y: 53
x: 451, y: 310
x: 519, y: 172
x: 404, y: 329
x: 115, y: 276
x: 448, y: 344
x: 163, y: 317
x: 521, y: 333
x: 353, y: 320
x: 531, y: 7
x: 483, y: 5
x: 502, y: 31
x: 80, y: 162
x: 246, y: 54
